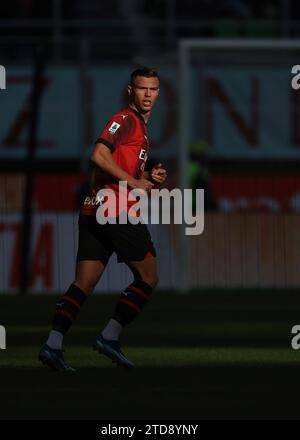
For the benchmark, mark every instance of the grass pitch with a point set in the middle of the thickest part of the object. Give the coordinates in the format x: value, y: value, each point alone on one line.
x: 214, y: 355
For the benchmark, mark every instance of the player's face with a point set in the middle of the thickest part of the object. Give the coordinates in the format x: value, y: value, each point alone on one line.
x: 144, y: 93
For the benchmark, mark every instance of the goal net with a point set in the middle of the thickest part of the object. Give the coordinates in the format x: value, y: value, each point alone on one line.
x: 239, y: 132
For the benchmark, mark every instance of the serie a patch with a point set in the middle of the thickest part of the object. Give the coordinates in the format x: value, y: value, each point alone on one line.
x: 113, y: 128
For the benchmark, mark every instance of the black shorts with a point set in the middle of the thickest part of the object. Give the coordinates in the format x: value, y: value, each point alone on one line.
x: 99, y: 242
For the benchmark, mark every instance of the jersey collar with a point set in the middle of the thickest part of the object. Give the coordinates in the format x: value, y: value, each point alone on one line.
x: 138, y: 114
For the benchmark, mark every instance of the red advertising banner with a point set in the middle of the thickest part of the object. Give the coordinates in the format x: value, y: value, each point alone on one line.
x: 275, y: 193
x: 265, y: 193
x: 51, y: 192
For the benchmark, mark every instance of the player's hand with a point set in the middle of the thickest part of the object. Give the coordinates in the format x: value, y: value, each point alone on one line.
x: 158, y: 174
x: 144, y: 184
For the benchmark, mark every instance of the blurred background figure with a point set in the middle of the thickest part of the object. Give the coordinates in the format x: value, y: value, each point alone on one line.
x: 199, y: 175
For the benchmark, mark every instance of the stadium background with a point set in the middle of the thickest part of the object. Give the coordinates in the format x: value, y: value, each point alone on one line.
x: 222, y: 350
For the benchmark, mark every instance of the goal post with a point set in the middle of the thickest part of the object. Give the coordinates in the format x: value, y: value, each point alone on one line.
x: 196, y: 54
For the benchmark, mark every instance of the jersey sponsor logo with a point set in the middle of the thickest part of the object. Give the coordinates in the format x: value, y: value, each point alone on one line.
x: 142, y: 167
x: 113, y: 128
x: 92, y: 201
x: 143, y: 155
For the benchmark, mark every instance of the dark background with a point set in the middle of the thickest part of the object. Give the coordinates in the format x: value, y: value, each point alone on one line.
x: 222, y: 350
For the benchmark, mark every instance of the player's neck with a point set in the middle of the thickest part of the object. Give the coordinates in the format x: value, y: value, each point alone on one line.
x: 145, y: 116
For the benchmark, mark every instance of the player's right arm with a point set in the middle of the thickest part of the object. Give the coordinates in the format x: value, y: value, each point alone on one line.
x: 103, y: 158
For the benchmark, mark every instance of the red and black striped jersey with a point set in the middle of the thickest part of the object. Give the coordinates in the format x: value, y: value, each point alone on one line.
x: 126, y: 136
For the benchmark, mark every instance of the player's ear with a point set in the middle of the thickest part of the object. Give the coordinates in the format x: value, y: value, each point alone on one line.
x: 129, y: 89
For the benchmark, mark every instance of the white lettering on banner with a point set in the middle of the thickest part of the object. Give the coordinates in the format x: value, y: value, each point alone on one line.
x: 228, y: 204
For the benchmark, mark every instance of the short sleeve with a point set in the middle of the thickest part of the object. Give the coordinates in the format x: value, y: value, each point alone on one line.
x: 117, y: 131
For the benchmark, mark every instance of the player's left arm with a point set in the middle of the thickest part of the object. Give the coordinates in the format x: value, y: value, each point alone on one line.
x: 157, y: 174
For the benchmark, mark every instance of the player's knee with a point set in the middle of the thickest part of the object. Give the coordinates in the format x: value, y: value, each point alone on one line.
x: 154, y: 281
x: 151, y: 279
